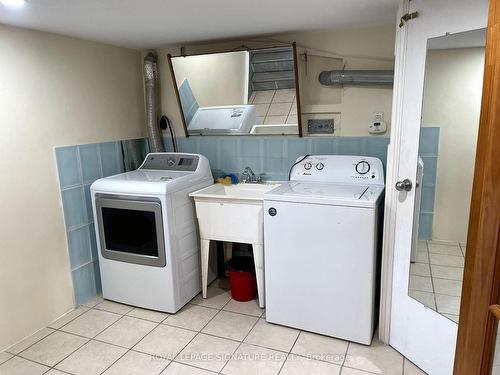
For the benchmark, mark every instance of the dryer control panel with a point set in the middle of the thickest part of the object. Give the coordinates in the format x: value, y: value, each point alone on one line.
x: 170, y: 161
x: 339, y: 168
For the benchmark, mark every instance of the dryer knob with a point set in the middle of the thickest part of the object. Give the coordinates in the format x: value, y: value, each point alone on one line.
x: 363, y: 167
x: 307, y: 166
x: 320, y: 166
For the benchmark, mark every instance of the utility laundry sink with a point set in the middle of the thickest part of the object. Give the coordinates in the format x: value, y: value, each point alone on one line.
x: 232, y: 213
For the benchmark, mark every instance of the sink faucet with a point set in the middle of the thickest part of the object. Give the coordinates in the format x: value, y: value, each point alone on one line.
x: 248, y: 176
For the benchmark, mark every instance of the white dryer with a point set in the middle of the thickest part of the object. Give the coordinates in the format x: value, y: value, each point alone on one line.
x: 321, y: 246
x: 146, y: 231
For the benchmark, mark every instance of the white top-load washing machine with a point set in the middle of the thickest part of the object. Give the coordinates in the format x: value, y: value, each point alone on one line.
x: 146, y: 231
x: 321, y: 246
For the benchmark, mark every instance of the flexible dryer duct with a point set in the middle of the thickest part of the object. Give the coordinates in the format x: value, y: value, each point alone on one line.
x: 150, y: 83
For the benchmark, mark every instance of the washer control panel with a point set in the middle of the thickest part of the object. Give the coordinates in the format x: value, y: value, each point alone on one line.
x: 170, y: 161
x: 340, y: 169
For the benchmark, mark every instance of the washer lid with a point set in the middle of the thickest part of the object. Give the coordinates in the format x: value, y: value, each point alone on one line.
x: 327, y: 193
x: 145, y: 182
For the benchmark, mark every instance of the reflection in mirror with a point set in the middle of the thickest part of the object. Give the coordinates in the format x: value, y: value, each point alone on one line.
x: 495, y: 369
x: 448, y: 135
x: 241, y: 92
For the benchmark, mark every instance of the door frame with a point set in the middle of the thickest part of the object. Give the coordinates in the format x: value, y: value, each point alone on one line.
x: 479, y: 312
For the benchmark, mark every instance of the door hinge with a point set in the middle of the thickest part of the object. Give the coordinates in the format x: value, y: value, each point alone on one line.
x: 407, y: 17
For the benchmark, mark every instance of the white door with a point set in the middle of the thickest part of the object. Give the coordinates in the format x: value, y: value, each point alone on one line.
x: 419, y: 332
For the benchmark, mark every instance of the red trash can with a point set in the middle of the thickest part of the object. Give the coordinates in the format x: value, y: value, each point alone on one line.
x: 242, y: 278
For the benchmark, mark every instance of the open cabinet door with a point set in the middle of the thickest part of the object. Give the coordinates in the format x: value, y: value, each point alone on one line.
x: 424, y: 309
x: 480, y: 310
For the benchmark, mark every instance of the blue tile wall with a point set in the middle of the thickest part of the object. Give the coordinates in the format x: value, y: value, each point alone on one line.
x: 78, y: 167
x: 428, y: 150
x: 273, y: 156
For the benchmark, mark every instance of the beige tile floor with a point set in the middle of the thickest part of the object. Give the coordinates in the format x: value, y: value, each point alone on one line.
x: 213, y: 335
x: 436, y: 276
x: 275, y: 106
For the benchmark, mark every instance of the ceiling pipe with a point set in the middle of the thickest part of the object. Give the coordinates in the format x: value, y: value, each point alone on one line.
x: 356, y: 77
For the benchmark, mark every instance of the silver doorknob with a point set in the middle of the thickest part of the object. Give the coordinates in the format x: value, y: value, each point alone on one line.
x: 404, y: 185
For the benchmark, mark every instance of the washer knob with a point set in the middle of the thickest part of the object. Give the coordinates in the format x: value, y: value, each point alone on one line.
x: 307, y: 166
x: 363, y: 167
x: 170, y: 162
x: 320, y: 166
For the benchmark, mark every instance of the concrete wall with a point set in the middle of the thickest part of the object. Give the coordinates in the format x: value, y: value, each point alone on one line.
x: 54, y: 91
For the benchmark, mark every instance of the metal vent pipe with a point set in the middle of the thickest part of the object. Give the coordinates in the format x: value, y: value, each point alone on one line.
x: 150, y: 83
x: 356, y: 77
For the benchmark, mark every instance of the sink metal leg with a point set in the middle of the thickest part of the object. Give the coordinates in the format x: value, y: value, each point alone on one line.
x: 258, y: 258
x: 205, y: 256
x: 228, y: 250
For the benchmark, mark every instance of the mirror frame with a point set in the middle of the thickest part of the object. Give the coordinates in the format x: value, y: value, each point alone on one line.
x: 296, y: 76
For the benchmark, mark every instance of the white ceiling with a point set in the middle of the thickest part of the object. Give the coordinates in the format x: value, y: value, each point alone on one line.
x: 157, y: 23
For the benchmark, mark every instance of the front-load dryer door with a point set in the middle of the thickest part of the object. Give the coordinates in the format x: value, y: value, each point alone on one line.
x: 131, y: 229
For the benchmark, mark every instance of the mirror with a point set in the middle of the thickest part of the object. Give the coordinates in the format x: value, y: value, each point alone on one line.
x: 260, y: 94
x: 447, y: 152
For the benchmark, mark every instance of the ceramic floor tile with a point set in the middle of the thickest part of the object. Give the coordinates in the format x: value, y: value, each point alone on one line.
x: 422, y: 257
x: 249, y: 308
x: 175, y: 368
x: 65, y: 319
x: 446, y: 260
x: 452, y: 317
x: 320, y: 347
x: 230, y: 325
x: 444, y: 272
x: 126, y: 332
x: 421, y: 283
x: 411, y: 369
x: 425, y: 298
x: 93, y: 302
x: 53, y: 371
x: 191, y: 317
x: 4, y: 356
x: 154, y: 316
x: 377, y: 358
x: 261, y: 109
x: 296, y: 365
x: 165, y: 341
x: 272, y: 336
x: 250, y: 360
x: 30, y: 340
x: 216, y: 298
x: 274, y: 120
x: 279, y: 109
x: 353, y: 371
x: 292, y: 119
x: 91, y: 359
x: 114, y: 307
x: 263, y: 96
x: 435, y: 248
x: 208, y: 352
x: 448, y: 304
x: 53, y: 348
x: 449, y: 287
x: 284, y: 96
x: 134, y: 363
x: 21, y: 366
x: 91, y: 323
x: 420, y: 269
x: 422, y: 245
